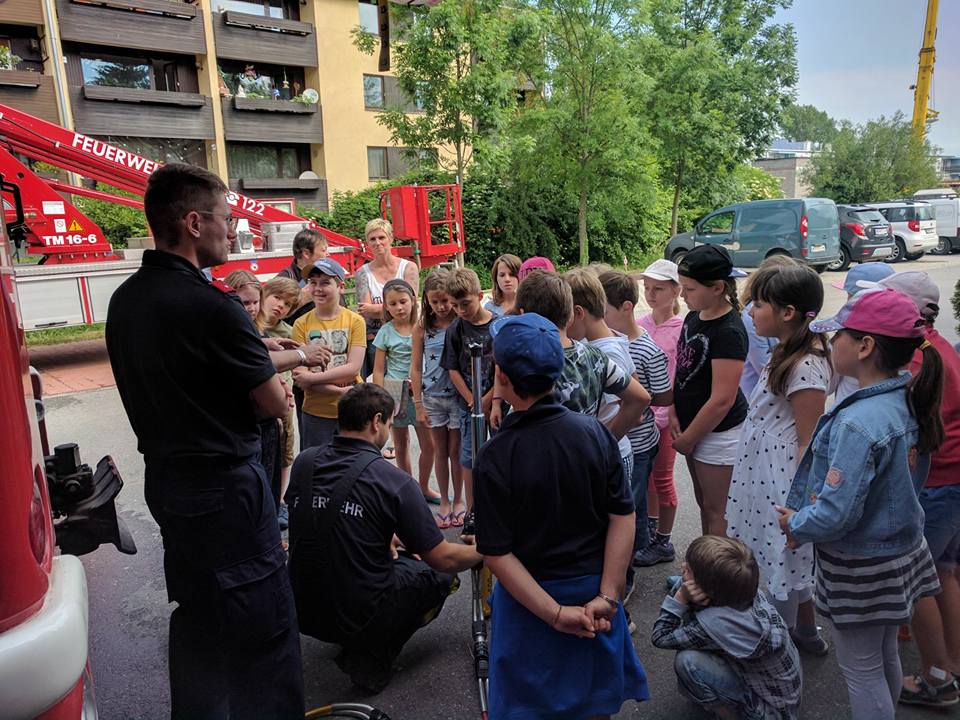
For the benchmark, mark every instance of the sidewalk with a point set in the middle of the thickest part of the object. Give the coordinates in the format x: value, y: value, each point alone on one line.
x: 72, y: 367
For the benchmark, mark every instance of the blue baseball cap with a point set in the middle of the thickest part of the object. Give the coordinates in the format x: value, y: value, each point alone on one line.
x: 330, y: 267
x: 527, y: 346
x: 871, y: 272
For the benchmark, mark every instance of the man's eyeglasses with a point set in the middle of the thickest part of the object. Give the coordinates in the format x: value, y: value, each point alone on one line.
x: 230, y: 220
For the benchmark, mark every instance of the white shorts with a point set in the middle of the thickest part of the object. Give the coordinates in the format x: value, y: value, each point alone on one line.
x: 719, y: 448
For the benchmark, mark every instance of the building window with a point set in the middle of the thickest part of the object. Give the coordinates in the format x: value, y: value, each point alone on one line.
x: 369, y: 17
x: 287, y: 81
x: 279, y: 9
x: 117, y: 72
x: 377, y: 163
x: 162, y: 150
x: 373, y: 95
x: 247, y: 160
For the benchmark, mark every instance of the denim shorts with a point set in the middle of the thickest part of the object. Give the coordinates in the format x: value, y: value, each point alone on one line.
x: 466, y: 438
x: 941, y: 525
x: 442, y: 411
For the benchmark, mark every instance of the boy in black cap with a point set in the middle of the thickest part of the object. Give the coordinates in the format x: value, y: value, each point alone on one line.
x: 557, y: 610
x: 709, y: 407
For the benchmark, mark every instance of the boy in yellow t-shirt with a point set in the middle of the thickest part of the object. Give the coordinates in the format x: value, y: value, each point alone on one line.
x: 341, y: 330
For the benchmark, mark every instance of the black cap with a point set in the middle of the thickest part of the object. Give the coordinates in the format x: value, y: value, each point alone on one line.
x: 706, y: 263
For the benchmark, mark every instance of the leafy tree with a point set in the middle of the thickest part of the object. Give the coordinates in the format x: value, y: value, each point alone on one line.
x: 588, y: 127
x: 802, y: 123
x: 878, y: 160
x: 722, y: 76
x: 118, y: 222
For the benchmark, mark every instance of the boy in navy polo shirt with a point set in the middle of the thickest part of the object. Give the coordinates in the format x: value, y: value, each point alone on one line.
x: 557, y: 611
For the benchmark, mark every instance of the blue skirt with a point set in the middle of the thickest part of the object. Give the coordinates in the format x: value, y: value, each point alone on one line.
x: 538, y: 673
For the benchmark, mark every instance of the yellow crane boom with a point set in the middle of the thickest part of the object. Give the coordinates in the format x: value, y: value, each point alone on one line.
x: 921, y: 93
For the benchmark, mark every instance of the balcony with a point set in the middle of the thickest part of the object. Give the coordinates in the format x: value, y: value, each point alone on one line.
x: 306, y: 193
x: 100, y: 110
x: 157, y: 25
x: 31, y: 92
x: 253, y: 38
x: 22, y: 12
x: 256, y: 120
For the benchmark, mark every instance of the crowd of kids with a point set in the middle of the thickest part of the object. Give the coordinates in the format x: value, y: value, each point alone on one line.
x: 824, y: 455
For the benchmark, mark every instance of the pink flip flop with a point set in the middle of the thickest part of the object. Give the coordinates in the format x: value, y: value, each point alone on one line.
x: 443, y: 521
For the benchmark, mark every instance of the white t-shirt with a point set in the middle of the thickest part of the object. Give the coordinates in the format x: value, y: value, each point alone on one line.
x: 617, y: 348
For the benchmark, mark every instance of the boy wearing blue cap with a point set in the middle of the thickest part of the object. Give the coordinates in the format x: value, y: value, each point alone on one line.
x: 344, y: 333
x: 560, y: 645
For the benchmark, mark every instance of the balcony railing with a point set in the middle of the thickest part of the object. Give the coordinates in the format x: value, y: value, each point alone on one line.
x: 99, y: 110
x: 31, y: 92
x: 157, y: 25
x: 257, y: 38
x: 291, y: 122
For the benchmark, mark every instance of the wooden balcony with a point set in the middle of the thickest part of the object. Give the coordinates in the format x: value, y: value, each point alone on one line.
x: 141, y: 113
x: 253, y: 38
x: 306, y: 193
x: 21, y: 12
x: 31, y: 92
x: 156, y: 25
x: 257, y: 120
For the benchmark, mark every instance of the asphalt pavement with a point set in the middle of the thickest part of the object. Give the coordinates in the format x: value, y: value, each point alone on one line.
x: 129, y: 610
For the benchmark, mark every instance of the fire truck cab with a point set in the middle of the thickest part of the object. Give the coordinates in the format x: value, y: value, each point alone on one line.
x: 46, y: 500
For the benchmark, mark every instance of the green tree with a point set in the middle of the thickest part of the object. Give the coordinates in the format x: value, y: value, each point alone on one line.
x: 723, y: 73
x: 878, y: 160
x: 802, y: 123
x: 118, y: 222
x: 588, y: 127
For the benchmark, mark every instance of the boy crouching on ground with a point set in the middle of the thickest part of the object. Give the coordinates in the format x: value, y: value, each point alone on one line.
x: 736, y: 658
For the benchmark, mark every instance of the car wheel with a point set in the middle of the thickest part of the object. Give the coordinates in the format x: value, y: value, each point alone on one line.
x: 913, y: 256
x: 678, y: 257
x: 843, y: 263
x: 899, y: 251
x: 944, y: 247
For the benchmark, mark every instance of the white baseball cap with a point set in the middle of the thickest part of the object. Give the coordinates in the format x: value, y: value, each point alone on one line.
x: 662, y: 270
x: 916, y: 285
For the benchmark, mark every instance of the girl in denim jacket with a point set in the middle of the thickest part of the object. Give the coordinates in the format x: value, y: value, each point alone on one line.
x: 855, y: 493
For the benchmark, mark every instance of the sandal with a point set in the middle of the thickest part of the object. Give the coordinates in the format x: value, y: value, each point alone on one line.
x: 443, y: 521
x: 432, y: 499
x: 389, y: 453
x: 458, y: 516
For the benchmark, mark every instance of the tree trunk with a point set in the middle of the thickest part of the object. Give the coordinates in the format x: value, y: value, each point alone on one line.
x: 582, y: 225
x: 678, y: 184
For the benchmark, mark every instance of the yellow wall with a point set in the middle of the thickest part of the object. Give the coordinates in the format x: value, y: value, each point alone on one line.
x: 347, y: 127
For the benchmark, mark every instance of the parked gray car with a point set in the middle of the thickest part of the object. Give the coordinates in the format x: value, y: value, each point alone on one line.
x: 807, y: 229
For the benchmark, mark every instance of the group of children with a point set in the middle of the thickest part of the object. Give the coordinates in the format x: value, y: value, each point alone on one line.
x: 803, y: 510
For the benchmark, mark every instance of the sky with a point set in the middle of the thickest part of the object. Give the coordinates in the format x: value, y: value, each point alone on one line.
x: 858, y: 58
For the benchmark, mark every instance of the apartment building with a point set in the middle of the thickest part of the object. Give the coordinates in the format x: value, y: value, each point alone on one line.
x: 271, y: 95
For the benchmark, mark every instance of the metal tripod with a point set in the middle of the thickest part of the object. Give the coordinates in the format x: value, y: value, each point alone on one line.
x: 481, y: 648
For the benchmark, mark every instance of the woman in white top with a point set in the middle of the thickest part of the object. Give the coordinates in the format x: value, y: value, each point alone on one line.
x: 371, y: 277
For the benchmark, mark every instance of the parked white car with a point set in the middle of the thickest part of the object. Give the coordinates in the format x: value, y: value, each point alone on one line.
x: 914, y: 228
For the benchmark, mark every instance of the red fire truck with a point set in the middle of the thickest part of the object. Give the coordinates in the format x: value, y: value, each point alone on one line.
x: 79, y: 270
x: 47, y: 499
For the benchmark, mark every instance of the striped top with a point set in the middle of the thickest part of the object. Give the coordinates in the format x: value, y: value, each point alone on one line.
x: 653, y: 373
x: 854, y: 591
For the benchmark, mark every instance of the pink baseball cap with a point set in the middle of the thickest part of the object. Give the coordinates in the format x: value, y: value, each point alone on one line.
x: 535, y: 263
x: 877, y: 312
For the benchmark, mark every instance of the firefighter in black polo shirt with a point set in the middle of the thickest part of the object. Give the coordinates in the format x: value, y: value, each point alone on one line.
x: 194, y: 378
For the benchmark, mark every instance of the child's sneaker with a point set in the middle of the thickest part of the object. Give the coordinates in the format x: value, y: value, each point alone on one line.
x: 656, y: 552
x: 926, y: 694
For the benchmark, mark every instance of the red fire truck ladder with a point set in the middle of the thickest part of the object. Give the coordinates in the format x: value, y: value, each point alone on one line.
x: 77, y: 255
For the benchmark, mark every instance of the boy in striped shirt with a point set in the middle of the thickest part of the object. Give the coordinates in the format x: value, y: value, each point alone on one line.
x: 651, y: 364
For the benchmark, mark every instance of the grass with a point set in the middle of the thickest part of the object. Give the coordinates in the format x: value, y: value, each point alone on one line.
x: 56, y: 336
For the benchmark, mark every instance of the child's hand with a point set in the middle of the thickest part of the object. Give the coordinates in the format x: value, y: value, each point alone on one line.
x: 573, y: 620
x: 486, y: 402
x: 301, y: 377
x: 683, y: 445
x: 496, y: 415
x: 694, y: 595
x: 601, y: 613
x: 421, y: 414
x: 784, y: 520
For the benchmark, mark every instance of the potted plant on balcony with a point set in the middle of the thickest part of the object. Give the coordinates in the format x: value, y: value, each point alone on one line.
x: 10, y: 76
x: 8, y: 61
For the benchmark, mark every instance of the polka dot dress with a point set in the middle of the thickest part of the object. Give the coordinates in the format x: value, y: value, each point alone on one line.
x: 766, y: 462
